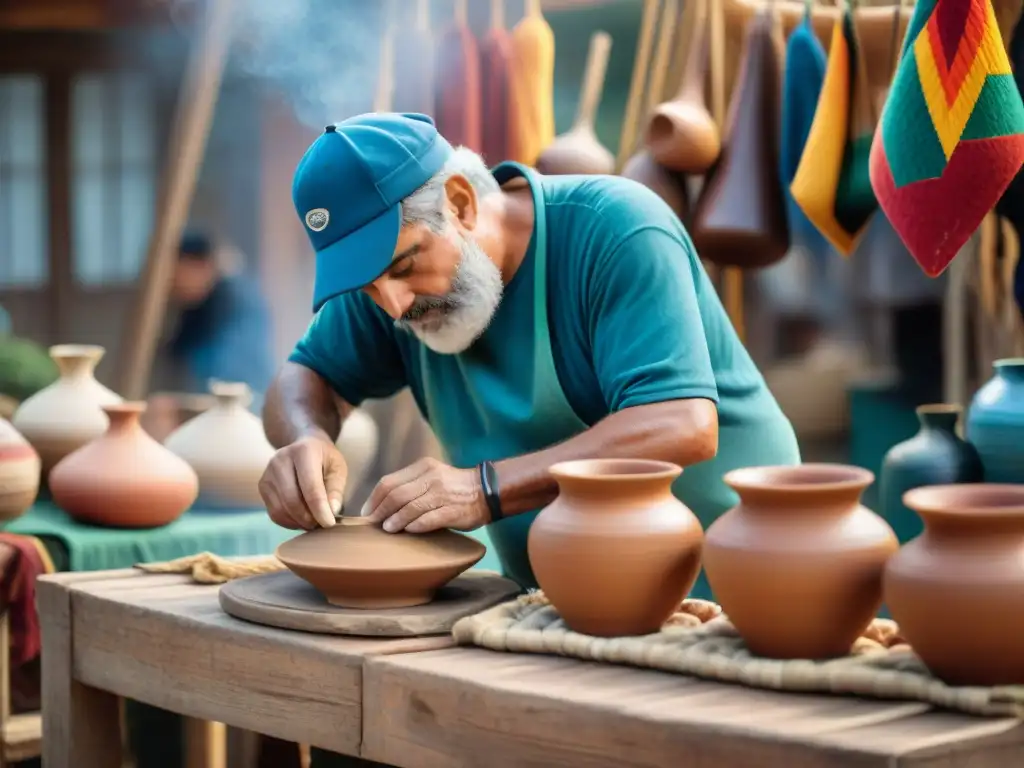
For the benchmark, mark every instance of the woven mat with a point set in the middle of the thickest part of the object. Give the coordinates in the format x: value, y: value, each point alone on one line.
x: 208, y: 568
x: 700, y: 641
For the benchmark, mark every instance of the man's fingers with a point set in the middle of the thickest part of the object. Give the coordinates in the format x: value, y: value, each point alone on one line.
x: 399, y: 498
x: 275, y: 509
x: 286, y: 484
x: 309, y: 473
x: 434, y: 520
x: 407, y: 513
x: 388, y: 483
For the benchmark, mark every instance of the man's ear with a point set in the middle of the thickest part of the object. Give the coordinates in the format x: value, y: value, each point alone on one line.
x: 462, y: 200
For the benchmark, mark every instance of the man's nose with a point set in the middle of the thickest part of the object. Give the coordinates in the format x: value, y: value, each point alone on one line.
x: 393, y: 298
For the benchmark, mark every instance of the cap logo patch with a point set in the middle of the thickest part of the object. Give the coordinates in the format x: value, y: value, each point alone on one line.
x: 317, y: 219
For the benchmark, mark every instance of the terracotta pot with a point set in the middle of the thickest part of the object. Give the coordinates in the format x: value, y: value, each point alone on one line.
x: 616, y: 552
x: 67, y: 414
x: 682, y: 135
x: 797, y: 564
x: 19, y: 472
x: 957, y: 591
x: 356, y: 564
x: 124, y: 478
x: 227, y: 448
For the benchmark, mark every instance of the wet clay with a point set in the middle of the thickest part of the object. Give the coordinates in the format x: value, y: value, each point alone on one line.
x: 356, y: 564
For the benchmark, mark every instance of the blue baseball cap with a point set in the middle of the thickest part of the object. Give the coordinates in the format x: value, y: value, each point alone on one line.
x: 348, y: 188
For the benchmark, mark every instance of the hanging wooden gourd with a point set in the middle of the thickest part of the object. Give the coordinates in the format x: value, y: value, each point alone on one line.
x: 682, y: 134
x: 578, y: 150
x: 951, y: 137
x: 740, y: 218
x: 831, y: 184
x: 670, y: 186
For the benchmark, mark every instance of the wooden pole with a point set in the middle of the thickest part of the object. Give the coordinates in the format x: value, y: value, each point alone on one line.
x: 193, y: 117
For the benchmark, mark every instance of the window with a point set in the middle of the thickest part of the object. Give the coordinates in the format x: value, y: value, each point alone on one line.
x: 114, y: 172
x: 24, y: 223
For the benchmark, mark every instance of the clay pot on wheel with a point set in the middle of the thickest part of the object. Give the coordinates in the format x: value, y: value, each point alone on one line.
x: 356, y: 564
x: 797, y: 564
x: 124, y: 478
x: 19, y: 472
x: 67, y: 414
x: 957, y: 590
x: 616, y: 552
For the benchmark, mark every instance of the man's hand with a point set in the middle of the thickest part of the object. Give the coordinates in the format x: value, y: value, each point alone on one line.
x: 427, y: 496
x: 304, y: 484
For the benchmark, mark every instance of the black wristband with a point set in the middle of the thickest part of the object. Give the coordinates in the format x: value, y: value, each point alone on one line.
x: 489, y: 483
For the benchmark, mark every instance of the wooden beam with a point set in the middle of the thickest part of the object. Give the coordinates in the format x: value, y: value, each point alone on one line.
x: 193, y: 117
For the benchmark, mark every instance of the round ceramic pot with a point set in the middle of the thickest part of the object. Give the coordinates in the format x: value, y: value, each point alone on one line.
x: 995, y: 423
x: 67, y: 414
x: 124, y: 478
x: 797, y: 564
x: 227, y: 448
x: 616, y: 552
x: 957, y: 591
x: 19, y: 472
x: 934, y: 456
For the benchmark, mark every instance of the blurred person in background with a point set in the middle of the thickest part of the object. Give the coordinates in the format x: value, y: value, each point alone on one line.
x: 221, y: 330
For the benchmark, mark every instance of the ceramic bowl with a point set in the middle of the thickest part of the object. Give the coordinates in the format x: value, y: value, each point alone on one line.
x: 356, y: 564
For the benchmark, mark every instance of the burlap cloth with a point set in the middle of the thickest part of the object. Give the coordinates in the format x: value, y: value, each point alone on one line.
x: 208, y: 568
x: 700, y: 641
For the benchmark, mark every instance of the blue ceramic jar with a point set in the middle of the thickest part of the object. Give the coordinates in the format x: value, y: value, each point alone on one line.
x: 995, y: 423
x: 934, y: 456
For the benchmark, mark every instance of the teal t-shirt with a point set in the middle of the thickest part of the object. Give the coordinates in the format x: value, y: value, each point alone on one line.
x: 634, y: 319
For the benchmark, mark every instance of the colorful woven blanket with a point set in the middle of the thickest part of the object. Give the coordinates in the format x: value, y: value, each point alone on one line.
x: 951, y: 137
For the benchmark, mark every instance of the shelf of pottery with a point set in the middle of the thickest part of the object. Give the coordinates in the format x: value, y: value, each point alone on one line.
x: 87, y: 446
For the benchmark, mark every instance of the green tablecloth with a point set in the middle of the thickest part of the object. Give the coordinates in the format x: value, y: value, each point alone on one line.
x: 90, y: 548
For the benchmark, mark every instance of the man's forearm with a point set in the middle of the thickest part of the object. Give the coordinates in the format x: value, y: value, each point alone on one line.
x: 300, y: 403
x: 683, y: 432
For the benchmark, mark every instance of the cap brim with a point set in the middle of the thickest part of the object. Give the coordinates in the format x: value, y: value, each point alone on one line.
x: 357, y: 259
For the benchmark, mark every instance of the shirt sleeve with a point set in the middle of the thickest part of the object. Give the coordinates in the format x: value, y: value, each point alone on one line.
x: 646, y: 334
x: 351, y: 344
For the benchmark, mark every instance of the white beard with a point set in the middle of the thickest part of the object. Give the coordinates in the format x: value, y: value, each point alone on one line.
x: 467, y: 309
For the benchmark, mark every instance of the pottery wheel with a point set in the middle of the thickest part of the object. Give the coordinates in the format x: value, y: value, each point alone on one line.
x: 283, y: 600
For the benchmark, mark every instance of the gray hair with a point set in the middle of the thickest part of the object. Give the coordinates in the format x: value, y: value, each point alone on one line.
x: 427, y: 204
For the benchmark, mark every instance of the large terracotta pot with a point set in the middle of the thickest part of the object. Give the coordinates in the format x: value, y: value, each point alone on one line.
x: 957, y: 591
x: 19, y: 472
x: 995, y: 423
x: 797, y: 564
x: 124, y: 478
x: 934, y: 456
x: 67, y: 414
x: 616, y: 552
x: 226, y: 447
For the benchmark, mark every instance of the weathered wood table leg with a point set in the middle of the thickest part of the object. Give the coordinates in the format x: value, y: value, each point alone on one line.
x: 81, y: 725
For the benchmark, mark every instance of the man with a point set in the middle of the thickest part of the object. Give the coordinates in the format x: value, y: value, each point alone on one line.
x: 223, y: 329
x: 535, y: 319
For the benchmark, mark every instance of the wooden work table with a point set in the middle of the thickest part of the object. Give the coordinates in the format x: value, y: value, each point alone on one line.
x: 419, y: 704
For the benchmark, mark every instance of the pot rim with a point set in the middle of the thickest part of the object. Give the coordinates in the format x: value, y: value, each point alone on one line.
x: 967, y: 500
x: 833, y: 477
x: 1009, y: 362
x: 598, y: 470
x: 88, y: 351
x: 939, y: 408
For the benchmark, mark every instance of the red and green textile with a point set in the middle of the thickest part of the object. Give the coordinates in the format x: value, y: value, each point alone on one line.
x: 951, y: 137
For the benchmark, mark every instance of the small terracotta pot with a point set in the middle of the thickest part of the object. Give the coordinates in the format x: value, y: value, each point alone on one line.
x: 124, y: 478
x: 957, y: 590
x: 616, y: 552
x: 356, y: 564
x: 797, y: 564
